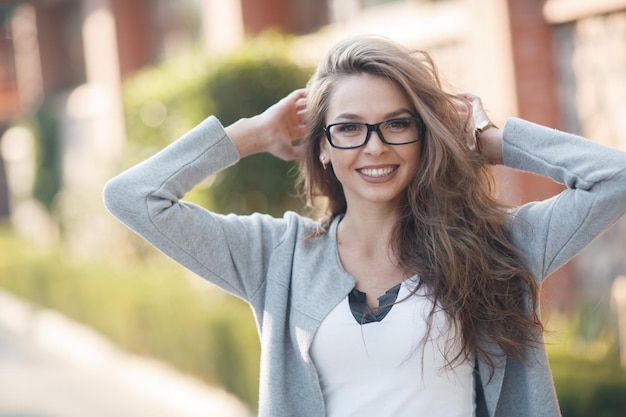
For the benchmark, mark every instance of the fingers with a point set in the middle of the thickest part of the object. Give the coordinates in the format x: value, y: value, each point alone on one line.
x: 469, y: 97
x: 291, y: 148
x: 478, y: 110
x: 301, y: 106
x: 301, y: 111
x: 298, y: 97
x: 286, y: 124
x: 291, y: 108
x: 474, y: 100
x: 299, y: 92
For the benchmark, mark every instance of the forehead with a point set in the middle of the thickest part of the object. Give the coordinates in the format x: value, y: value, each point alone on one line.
x: 366, y: 97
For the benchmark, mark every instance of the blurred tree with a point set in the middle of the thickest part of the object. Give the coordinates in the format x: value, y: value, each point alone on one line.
x: 48, y: 175
x: 241, y: 88
x: 163, y: 102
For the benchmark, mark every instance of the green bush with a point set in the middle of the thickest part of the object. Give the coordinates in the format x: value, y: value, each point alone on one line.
x: 584, y: 357
x: 43, y: 125
x: 587, y: 388
x: 48, y: 172
x: 242, y: 87
x: 153, y: 309
x: 163, y: 102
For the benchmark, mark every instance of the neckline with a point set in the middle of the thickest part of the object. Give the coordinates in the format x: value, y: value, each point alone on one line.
x: 362, y: 312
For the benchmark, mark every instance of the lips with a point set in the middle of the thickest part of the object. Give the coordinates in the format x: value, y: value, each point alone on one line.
x: 378, y: 172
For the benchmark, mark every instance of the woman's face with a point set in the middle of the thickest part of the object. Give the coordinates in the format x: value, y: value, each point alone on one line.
x: 376, y: 173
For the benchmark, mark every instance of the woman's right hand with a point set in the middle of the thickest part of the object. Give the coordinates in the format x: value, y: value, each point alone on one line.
x: 274, y: 130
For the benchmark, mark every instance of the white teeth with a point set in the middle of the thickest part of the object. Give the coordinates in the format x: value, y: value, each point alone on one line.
x: 377, y: 172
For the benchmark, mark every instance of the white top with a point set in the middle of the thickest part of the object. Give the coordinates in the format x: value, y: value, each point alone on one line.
x: 383, y: 369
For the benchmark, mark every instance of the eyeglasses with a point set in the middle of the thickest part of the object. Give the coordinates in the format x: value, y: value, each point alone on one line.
x: 350, y: 135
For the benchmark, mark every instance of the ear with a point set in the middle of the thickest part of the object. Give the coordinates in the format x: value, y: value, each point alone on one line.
x: 324, y: 149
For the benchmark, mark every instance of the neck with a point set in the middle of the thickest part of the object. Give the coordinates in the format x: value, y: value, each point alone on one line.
x: 369, y: 227
x: 364, y: 242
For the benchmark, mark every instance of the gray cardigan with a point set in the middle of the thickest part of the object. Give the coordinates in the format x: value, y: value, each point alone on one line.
x: 293, y: 284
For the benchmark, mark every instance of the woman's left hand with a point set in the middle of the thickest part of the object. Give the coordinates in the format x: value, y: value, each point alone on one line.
x: 489, y: 141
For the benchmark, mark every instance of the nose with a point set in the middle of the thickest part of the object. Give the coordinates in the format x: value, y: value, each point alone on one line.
x: 375, y: 144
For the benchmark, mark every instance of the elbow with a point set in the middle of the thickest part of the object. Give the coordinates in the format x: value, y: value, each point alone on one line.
x: 111, y: 196
x: 118, y: 198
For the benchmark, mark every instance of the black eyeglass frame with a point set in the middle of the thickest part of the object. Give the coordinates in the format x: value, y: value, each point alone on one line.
x: 375, y: 127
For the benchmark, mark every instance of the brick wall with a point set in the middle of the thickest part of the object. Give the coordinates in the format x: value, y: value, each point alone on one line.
x: 533, y: 54
x: 135, y: 36
x: 536, y: 90
x: 289, y: 16
x: 592, y: 94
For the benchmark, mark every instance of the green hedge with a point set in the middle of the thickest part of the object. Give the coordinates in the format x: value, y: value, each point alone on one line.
x: 154, y: 309
x: 584, y: 356
x: 589, y: 388
x: 163, y: 102
x: 48, y: 172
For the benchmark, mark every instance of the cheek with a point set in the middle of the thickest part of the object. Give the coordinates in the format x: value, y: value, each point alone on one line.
x: 417, y: 155
x: 414, y: 160
x: 342, y: 159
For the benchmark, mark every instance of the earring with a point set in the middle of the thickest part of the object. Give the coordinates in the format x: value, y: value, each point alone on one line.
x: 323, y: 161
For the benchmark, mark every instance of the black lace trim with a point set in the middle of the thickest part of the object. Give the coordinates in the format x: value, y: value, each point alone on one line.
x: 361, y: 311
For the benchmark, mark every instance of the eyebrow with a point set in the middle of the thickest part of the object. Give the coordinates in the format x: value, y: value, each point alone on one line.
x: 391, y: 115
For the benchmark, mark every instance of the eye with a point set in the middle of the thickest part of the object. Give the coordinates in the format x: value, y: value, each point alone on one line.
x: 398, y: 124
x: 349, y: 128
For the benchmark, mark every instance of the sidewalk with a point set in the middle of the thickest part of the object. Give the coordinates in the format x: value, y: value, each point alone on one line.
x: 53, y: 367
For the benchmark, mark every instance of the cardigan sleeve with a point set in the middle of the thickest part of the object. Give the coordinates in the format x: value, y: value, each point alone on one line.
x: 229, y: 250
x: 551, y: 232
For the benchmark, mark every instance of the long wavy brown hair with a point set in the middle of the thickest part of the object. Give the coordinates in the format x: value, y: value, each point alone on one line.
x: 452, y: 230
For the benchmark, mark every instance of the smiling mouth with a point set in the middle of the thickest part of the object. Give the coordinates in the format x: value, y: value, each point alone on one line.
x: 377, y: 172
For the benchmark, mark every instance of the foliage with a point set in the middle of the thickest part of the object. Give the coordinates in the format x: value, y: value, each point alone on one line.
x: 44, y: 126
x: 150, y: 309
x: 163, y: 102
x: 589, y: 388
x: 584, y: 359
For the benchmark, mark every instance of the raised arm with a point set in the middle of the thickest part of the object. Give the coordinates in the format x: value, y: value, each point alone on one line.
x: 230, y: 251
x: 552, y: 231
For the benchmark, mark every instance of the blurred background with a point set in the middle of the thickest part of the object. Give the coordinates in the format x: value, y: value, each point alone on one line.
x: 90, y: 87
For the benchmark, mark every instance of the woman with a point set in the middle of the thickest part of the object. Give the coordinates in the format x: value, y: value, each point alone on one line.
x: 416, y: 292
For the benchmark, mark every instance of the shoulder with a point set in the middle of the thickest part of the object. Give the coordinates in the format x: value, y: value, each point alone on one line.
x: 291, y: 226
x: 299, y: 227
